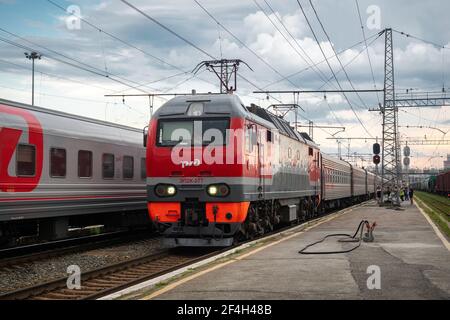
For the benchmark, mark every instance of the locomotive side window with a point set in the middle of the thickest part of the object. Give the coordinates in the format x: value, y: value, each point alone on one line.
x: 128, y: 167
x: 143, y: 169
x: 269, y: 136
x: 84, y: 164
x: 108, y: 166
x: 250, y: 138
x: 26, y: 160
x: 58, y: 162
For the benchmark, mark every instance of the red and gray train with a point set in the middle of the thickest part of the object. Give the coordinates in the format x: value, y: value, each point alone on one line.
x: 218, y: 171
x: 59, y: 171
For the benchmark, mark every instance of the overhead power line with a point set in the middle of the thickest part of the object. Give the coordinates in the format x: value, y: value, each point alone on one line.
x: 367, y: 48
x: 310, y: 65
x: 185, y: 40
x: 167, y: 29
x: 54, y: 76
x: 242, y: 43
x: 76, y: 63
x: 334, y: 50
x: 407, y: 35
x: 377, y: 35
x: 329, y: 65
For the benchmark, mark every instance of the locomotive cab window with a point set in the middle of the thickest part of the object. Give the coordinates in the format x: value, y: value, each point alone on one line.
x: 128, y: 167
x: 26, y: 160
x: 108, y: 166
x: 182, y: 132
x: 84, y: 164
x: 58, y: 163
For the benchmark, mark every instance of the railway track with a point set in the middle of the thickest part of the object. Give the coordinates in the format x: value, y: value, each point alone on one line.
x: 441, y: 205
x: 30, y: 253
x: 106, y: 280
x: 100, y: 282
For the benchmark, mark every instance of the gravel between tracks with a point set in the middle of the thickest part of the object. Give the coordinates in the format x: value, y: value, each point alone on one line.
x: 32, y: 273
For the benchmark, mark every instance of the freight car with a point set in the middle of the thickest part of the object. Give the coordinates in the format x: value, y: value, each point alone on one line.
x: 220, y: 171
x: 59, y: 170
x: 443, y: 184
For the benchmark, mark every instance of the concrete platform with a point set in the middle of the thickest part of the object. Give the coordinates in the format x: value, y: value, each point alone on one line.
x: 413, y: 260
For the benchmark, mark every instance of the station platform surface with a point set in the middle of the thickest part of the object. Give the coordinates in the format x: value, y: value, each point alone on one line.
x: 414, y: 263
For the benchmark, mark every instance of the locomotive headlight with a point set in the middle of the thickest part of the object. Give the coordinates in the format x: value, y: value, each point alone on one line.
x: 218, y: 190
x: 212, y: 190
x: 164, y: 190
x: 171, y: 190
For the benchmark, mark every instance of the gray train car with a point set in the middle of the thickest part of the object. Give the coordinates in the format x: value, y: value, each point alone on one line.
x: 336, y: 175
x: 59, y: 170
x: 359, y: 182
x: 371, y: 184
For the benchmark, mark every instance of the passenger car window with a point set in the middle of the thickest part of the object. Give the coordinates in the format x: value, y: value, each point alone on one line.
x: 108, y: 166
x: 84, y: 164
x: 26, y: 160
x: 128, y: 167
x: 58, y: 163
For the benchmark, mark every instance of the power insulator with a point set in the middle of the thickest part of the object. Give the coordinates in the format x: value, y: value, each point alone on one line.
x: 376, y: 159
x: 376, y: 149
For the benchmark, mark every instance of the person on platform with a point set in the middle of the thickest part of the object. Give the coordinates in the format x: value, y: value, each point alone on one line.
x: 411, y: 195
x: 402, y: 194
x: 378, y: 192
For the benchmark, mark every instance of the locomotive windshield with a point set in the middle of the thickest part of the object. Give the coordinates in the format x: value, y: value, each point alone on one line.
x: 193, y: 132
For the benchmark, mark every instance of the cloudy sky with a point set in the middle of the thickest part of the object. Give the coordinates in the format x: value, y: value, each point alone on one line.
x: 133, y: 54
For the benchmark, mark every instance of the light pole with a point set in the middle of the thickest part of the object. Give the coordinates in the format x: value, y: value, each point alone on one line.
x: 33, y: 56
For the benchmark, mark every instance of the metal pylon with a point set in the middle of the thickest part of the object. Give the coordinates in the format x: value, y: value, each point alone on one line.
x: 391, y: 167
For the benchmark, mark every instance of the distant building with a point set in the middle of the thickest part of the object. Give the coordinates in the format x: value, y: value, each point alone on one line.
x: 447, y: 163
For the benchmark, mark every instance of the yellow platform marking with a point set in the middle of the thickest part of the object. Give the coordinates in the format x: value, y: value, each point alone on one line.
x: 223, y: 264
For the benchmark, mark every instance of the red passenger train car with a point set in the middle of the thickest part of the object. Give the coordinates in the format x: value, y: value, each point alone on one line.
x: 219, y: 171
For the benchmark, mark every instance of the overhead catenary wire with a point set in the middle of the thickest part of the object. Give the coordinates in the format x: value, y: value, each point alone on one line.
x: 55, y: 76
x: 186, y: 41
x: 311, y: 65
x: 334, y: 50
x: 321, y: 75
x: 367, y: 48
x: 407, y: 35
x: 115, y: 37
x: 242, y: 43
x: 329, y: 65
x: 322, y: 61
x: 75, y: 64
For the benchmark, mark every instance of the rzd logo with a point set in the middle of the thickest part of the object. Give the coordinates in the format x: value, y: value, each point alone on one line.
x: 9, y: 139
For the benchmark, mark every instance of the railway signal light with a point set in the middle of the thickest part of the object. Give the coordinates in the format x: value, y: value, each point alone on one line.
x: 376, y: 148
x: 376, y: 159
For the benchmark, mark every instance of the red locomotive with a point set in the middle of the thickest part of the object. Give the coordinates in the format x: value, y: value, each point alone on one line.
x: 220, y: 171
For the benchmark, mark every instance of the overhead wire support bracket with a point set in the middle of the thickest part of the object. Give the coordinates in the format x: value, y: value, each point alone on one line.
x: 225, y: 70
